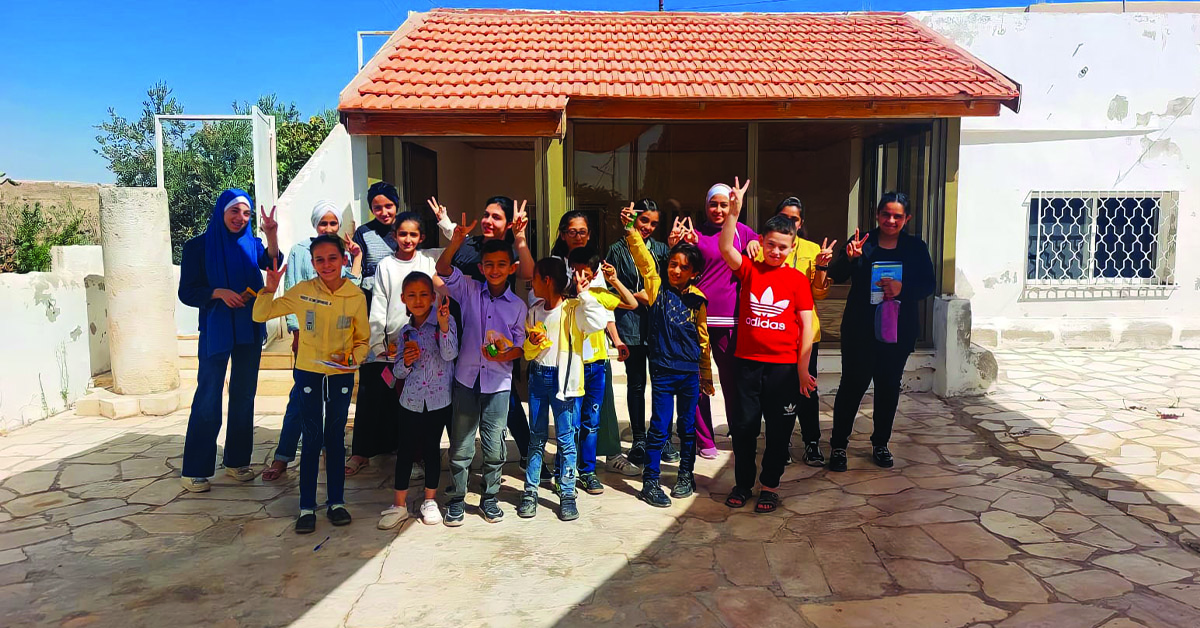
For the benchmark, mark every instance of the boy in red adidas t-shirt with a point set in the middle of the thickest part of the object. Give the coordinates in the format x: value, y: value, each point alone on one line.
x: 774, y: 345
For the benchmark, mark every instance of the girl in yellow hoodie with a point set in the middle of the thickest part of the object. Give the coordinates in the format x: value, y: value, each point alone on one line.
x: 334, y: 336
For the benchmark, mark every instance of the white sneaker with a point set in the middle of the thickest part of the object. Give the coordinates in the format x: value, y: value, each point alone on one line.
x: 418, y: 472
x: 431, y: 515
x: 392, y: 517
x: 241, y: 474
x: 621, y: 464
x: 195, y: 485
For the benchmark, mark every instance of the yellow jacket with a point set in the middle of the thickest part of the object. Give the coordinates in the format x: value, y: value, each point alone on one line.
x: 581, y: 316
x: 330, y: 322
x: 803, y: 258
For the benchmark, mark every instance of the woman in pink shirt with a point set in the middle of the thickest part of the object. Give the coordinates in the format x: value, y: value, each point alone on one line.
x: 721, y: 288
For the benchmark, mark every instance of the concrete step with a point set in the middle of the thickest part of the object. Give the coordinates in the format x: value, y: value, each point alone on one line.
x: 270, y: 383
x: 276, y: 357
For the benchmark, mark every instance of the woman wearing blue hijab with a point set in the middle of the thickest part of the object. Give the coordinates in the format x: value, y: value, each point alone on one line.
x: 217, y: 269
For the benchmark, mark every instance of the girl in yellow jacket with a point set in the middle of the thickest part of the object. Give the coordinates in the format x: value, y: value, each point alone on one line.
x: 334, y: 335
x: 812, y: 259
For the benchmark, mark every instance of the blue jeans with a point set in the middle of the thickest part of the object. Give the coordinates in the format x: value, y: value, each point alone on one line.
x: 681, y: 390
x: 204, y: 424
x: 594, y: 379
x: 325, y: 403
x: 289, y: 434
x: 487, y: 415
x: 543, y: 383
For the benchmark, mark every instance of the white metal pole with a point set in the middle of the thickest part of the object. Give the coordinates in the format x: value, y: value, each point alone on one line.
x: 158, y: 152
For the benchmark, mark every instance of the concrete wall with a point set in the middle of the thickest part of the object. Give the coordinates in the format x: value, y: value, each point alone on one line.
x: 332, y: 173
x: 1108, y: 105
x: 50, y: 344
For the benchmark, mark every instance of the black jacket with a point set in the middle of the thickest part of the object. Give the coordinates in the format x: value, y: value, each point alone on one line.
x: 858, y: 321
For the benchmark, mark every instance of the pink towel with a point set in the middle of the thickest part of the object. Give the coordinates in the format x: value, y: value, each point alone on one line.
x: 887, y: 321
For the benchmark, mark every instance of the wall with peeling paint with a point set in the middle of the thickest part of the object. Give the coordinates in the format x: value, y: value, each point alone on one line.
x: 47, y: 363
x: 1108, y: 104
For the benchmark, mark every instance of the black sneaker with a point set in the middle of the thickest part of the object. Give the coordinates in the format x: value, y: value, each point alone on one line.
x: 528, y: 507
x: 685, y: 485
x: 637, y: 453
x: 567, y: 510
x: 882, y: 457
x: 812, y: 455
x: 456, y: 511
x: 653, y: 494
x: 306, y: 524
x: 338, y: 515
x: 490, y: 507
x: 591, y: 484
x: 669, y: 452
x: 837, y: 460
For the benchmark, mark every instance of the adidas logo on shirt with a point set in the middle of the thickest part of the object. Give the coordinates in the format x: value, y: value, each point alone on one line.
x: 766, y: 307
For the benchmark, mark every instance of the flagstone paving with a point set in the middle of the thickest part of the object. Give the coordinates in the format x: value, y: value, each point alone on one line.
x: 963, y: 533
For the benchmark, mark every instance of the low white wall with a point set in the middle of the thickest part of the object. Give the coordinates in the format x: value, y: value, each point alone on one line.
x: 1108, y: 104
x: 48, y: 341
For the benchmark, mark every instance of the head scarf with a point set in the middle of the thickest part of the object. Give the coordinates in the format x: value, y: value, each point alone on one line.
x: 322, y: 208
x: 231, y: 262
x: 719, y: 188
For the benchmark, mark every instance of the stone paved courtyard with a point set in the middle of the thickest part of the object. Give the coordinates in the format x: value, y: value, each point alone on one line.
x: 1067, y: 498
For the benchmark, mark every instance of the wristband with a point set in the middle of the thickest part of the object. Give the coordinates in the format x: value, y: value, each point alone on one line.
x: 819, y: 267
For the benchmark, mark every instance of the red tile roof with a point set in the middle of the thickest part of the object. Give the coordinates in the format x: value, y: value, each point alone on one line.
x: 526, y: 60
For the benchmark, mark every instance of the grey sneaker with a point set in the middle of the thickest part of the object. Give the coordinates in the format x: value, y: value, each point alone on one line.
x: 490, y: 507
x: 591, y: 484
x: 528, y: 507
x: 567, y: 511
x: 670, y: 453
x: 685, y: 485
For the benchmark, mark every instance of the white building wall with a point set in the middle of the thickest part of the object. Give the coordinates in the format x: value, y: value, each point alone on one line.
x: 1108, y: 104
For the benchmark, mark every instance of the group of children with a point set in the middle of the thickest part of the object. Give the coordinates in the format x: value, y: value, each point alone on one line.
x: 439, y: 332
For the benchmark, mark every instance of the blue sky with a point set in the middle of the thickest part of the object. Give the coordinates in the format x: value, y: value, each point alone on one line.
x: 64, y: 63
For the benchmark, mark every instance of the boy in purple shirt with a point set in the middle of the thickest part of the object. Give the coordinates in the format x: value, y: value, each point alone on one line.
x: 483, y: 376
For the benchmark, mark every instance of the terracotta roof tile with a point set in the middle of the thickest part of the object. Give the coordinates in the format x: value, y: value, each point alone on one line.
x: 497, y: 59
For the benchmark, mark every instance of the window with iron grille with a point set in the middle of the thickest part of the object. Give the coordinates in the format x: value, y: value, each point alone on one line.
x: 1101, y: 238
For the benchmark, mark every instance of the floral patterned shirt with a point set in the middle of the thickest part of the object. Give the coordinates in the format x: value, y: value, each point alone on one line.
x: 429, y: 379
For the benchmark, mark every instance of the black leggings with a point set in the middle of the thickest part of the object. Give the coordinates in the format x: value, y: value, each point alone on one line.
x: 808, y: 413
x: 863, y: 364
x: 767, y: 392
x: 421, y: 431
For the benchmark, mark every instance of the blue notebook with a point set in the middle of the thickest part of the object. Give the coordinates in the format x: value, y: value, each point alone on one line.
x: 879, y: 270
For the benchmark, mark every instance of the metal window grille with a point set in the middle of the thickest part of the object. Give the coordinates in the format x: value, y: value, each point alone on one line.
x: 1102, y: 238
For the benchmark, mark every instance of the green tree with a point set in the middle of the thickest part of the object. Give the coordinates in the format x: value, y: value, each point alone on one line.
x: 35, y: 236
x: 199, y: 164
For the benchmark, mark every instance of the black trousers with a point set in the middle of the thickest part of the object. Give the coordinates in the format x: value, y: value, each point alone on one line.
x: 862, y: 364
x: 518, y: 423
x: 421, y: 432
x: 768, y: 393
x: 375, y: 429
x: 635, y: 390
x: 808, y: 412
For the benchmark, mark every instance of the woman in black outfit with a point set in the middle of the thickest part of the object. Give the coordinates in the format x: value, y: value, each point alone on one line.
x: 864, y: 358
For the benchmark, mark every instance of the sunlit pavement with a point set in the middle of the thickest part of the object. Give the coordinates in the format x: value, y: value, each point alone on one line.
x: 1059, y: 500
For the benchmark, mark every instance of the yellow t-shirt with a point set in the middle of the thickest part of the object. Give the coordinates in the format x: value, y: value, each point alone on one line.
x: 803, y: 258
x: 595, y: 345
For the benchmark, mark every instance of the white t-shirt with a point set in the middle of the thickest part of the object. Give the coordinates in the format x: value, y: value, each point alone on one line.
x: 552, y: 319
x: 387, y: 311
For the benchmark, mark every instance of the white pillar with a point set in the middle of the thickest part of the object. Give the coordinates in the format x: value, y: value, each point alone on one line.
x: 135, y: 231
x: 959, y: 368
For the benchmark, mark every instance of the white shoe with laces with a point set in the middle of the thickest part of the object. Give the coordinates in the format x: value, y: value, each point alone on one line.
x: 621, y: 464
x: 392, y: 517
x: 431, y: 515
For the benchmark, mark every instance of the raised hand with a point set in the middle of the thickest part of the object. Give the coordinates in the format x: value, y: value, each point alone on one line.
x: 609, y: 271
x: 443, y: 314
x: 826, y: 255
x: 520, y: 221
x: 352, y: 247
x: 273, y: 276
x: 737, y: 196
x: 581, y: 282
x: 269, y: 225
x: 439, y: 210
x: 462, y: 230
x: 854, y: 248
x: 689, y: 232
x: 629, y: 216
x: 676, y: 234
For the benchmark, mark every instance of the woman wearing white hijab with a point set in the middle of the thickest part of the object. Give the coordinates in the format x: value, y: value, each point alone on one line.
x: 299, y: 268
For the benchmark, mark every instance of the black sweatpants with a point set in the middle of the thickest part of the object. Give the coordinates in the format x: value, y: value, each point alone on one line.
x: 862, y: 364
x: 771, y: 393
x: 421, y: 432
x: 375, y: 410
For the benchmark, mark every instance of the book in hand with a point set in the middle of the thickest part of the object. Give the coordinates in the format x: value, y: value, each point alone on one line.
x: 338, y: 365
x: 881, y: 270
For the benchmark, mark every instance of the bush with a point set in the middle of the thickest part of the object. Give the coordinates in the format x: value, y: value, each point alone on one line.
x: 28, y: 250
